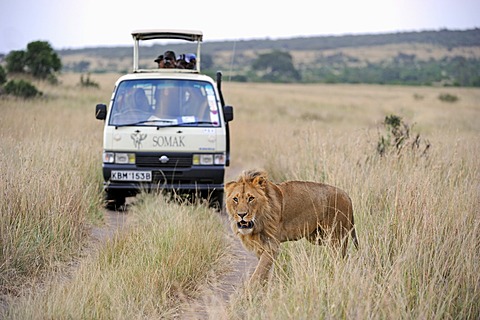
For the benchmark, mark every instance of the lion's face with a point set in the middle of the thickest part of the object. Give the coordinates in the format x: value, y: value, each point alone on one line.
x: 244, y: 203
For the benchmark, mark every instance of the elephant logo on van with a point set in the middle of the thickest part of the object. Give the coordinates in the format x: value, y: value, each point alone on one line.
x: 137, y: 138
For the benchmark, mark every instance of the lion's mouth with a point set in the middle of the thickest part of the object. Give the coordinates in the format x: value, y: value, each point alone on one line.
x: 245, y: 224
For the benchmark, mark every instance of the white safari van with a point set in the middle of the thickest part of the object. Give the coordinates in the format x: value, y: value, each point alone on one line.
x: 165, y: 128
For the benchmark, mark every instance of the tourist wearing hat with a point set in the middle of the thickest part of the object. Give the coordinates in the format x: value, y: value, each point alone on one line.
x: 166, y: 60
x: 169, y: 59
x: 159, y: 61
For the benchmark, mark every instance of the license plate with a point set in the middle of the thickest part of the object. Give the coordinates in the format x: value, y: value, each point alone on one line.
x: 125, y: 175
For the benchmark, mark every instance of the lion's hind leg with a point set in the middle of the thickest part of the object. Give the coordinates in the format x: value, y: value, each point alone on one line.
x: 333, y: 237
x: 317, y: 236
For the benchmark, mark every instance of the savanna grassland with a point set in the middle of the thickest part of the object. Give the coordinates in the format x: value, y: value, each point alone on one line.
x: 416, y: 208
x: 50, y: 200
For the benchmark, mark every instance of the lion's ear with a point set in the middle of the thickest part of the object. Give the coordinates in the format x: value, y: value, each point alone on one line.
x: 260, y: 181
x: 229, y: 185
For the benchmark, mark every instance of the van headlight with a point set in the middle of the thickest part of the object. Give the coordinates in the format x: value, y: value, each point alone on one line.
x: 208, y: 159
x: 108, y: 157
x: 119, y: 158
x: 219, y: 159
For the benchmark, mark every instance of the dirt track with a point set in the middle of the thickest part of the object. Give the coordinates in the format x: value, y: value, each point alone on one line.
x: 214, y: 301
x: 214, y: 298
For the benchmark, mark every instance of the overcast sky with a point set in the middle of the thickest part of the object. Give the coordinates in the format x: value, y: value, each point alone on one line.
x: 90, y: 23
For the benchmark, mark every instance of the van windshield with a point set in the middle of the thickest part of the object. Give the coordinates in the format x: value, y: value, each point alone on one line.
x: 165, y: 102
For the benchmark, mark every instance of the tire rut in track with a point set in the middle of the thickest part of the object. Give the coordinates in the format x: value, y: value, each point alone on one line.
x: 215, y: 299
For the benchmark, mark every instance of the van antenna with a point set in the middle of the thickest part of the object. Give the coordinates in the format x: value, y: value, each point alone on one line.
x: 233, y: 59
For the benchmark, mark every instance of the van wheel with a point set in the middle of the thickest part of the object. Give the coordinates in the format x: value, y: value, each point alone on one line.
x: 114, y: 201
x: 216, y: 200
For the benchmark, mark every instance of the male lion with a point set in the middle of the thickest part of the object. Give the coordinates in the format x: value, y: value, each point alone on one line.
x: 264, y: 214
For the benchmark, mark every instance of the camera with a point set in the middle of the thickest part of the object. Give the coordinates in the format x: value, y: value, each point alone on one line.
x: 168, y: 62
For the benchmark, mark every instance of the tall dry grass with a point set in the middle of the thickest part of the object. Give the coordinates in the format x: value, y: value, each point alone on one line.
x: 146, y: 272
x: 52, y: 173
x: 418, y: 223
x: 50, y: 181
x: 417, y: 216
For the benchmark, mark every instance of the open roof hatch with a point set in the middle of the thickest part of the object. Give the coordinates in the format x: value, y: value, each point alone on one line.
x: 162, y: 34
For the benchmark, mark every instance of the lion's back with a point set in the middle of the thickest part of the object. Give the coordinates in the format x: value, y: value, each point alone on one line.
x: 313, y: 200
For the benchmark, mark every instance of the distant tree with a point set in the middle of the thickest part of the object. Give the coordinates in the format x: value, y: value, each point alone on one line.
x: 16, y: 61
x: 41, y: 59
x: 278, y: 67
x: 3, y: 76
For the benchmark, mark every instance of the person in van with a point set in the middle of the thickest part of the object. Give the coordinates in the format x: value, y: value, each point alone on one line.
x: 169, y: 60
x: 159, y: 61
x: 181, y: 63
x: 166, y: 60
x: 191, y: 60
x: 186, y: 61
x: 196, y: 104
x: 167, y: 102
x: 131, y: 106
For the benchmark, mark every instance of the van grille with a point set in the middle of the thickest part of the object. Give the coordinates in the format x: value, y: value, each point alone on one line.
x: 174, y: 160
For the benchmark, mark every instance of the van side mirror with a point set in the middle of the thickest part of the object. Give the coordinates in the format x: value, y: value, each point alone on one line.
x: 228, y: 113
x: 101, y: 111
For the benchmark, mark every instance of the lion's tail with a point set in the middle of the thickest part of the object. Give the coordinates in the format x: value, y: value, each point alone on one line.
x: 353, y: 233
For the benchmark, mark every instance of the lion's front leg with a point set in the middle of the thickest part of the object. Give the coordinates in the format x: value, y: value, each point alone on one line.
x: 265, y: 262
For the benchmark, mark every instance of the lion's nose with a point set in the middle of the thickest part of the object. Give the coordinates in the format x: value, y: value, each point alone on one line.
x: 241, y: 214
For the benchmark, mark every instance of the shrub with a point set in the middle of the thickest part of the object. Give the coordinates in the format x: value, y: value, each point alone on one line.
x: 417, y: 96
x: 398, y: 136
x: 21, y: 88
x: 86, y: 82
x: 447, y: 97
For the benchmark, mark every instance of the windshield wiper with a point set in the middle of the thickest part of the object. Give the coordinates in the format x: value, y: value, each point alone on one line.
x: 195, y: 122
x: 185, y: 124
x: 166, y: 121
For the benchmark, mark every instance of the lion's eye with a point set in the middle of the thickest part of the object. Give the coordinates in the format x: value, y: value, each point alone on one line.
x: 235, y: 199
x: 251, y: 198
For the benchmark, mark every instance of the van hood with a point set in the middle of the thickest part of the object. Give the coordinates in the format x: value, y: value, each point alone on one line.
x: 149, y: 139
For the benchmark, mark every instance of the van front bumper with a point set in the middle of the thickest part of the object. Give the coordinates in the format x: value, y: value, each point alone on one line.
x: 194, y: 178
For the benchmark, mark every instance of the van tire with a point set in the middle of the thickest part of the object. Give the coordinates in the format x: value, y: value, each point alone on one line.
x: 114, y: 201
x: 216, y: 200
